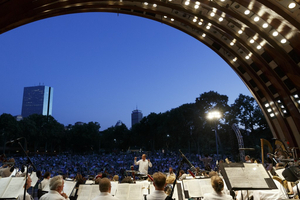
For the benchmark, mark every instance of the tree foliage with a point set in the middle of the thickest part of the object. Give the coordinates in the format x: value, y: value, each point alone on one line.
x: 185, y: 127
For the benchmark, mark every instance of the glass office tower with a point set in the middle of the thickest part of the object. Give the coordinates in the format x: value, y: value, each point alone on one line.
x: 136, y: 117
x: 37, y: 100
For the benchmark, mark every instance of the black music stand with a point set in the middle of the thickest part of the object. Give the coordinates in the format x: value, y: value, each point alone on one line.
x: 246, y: 176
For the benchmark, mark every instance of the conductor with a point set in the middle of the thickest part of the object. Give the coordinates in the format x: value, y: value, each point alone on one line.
x: 143, y: 164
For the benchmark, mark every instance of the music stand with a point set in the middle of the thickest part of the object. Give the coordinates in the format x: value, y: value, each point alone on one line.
x: 246, y: 176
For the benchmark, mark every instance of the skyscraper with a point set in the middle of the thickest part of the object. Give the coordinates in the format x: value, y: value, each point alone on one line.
x: 37, y: 100
x: 136, y: 116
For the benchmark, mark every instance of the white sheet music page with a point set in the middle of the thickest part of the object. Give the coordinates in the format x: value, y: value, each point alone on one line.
x: 84, y: 192
x: 122, y: 191
x: 3, y: 184
x: 135, y: 192
x: 34, y: 179
x: 95, y: 191
x: 69, y: 186
x: 16, y: 185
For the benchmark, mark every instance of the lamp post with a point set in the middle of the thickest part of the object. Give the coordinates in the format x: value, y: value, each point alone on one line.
x: 215, y: 115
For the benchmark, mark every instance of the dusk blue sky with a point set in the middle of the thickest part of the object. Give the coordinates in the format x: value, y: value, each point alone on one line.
x: 104, y: 65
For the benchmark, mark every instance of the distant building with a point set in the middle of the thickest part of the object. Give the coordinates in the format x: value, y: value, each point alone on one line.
x: 37, y: 100
x: 119, y: 123
x: 79, y: 123
x: 136, y: 116
x: 18, y: 117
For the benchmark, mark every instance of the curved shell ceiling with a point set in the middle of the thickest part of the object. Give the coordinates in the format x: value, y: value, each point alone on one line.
x: 259, y: 39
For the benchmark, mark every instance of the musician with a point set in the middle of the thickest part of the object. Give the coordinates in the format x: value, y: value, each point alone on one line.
x: 159, y: 182
x: 182, y: 175
x: 27, y: 196
x: 56, y: 190
x: 171, y: 173
x: 7, y: 169
x: 45, y: 181
x: 105, y: 188
x: 218, y: 185
x: 294, y: 190
x: 247, y: 159
x: 143, y: 164
x: 206, y: 162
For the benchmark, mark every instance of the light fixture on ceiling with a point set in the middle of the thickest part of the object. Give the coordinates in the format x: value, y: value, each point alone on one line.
x: 292, y: 5
x: 247, y: 12
x: 275, y: 33
x: 265, y: 25
x: 283, y: 41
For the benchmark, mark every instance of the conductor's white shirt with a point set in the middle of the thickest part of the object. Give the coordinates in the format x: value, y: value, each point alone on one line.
x: 143, y: 166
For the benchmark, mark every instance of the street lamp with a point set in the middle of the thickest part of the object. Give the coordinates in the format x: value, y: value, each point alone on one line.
x: 215, y: 115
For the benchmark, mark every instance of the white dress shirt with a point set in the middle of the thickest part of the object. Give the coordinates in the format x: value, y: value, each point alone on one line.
x: 216, y: 196
x: 295, y: 189
x: 44, y: 184
x: 53, y: 195
x: 143, y: 166
x: 105, y: 196
x: 157, y: 195
x: 27, y: 196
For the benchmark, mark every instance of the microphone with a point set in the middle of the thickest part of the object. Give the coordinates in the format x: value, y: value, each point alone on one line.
x: 187, y: 161
x: 13, y: 141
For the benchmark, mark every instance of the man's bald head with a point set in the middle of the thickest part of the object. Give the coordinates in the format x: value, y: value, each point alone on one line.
x: 104, y: 185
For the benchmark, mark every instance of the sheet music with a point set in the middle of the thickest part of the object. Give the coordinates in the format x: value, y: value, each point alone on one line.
x: 198, y: 187
x: 122, y: 191
x: 68, y: 187
x: 16, y: 185
x: 34, y: 179
x: 84, y: 192
x: 127, y: 191
x: 95, y: 191
x: 3, y: 184
x: 114, y: 187
x: 279, y: 173
x: 135, y: 192
x: 248, y: 175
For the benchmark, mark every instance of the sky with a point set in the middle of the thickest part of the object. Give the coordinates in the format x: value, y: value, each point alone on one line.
x: 103, y: 66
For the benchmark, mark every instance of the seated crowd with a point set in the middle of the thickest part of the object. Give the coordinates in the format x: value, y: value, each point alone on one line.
x: 101, y: 170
